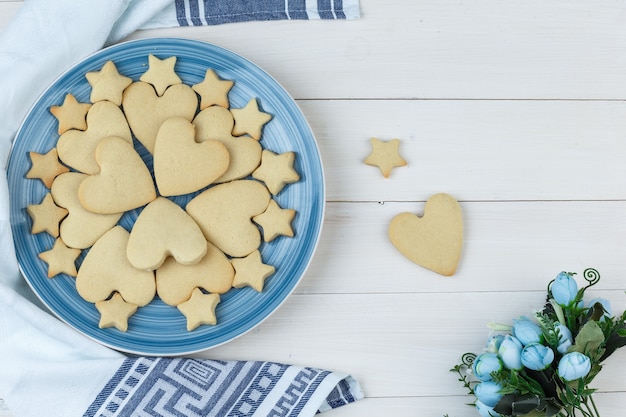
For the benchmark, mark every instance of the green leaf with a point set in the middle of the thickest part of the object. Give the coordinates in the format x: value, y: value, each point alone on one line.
x: 597, y: 312
x: 552, y: 407
x: 588, y: 339
x: 570, y: 396
x: 525, y: 406
x: 595, y: 370
x: 615, y: 341
x: 528, y: 406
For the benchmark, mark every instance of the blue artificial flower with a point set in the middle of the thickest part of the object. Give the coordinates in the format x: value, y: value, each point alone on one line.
x: 526, y: 331
x: 565, y: 338
x: 564, y: 289
x: 488, y: 393
x: 606, y: 305
x: 494, y: 342
x: 510, y: 352
x: 485, y: 410
x: 574, y: 365
x: 485, y: 364
x: 537, y: 357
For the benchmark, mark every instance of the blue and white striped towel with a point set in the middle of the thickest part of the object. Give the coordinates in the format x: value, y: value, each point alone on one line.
x: 196, y: 13
x: 48, y: 369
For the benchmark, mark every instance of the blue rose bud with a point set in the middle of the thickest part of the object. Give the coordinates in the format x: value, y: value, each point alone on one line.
x: 526, y: 331
x: 564, y: 289
x: 485, y: 364
x: 488, y: 393
x: 606, y: 305
x: 494, y: 342
x: 510, y: 353
x: 537, y: 357
x: 565, y: 338
x: 485, y: 410
x: 574, y: 365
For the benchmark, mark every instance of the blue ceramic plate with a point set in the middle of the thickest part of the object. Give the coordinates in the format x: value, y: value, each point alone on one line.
x: 158, y: 329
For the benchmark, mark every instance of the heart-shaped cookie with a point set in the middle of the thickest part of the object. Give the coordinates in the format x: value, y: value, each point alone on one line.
x: 434, y: 240
x: 216, y: 123
x: 145, y: 111
x: 182, y: 165
x: 175, y: 282
x: 77, y: 148
x: 164, y: 229
x: 224, y: 214
x: 106, y: 269
x: 124, y: 182
x: 81, y: 228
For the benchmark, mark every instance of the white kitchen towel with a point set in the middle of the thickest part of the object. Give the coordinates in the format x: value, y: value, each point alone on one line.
x: 47, y: 368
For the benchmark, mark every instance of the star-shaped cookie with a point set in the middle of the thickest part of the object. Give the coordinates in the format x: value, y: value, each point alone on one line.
x: 160, y: 73
x: 385, y: 155
x: 276, y: 170
x: 213, y: 90
x: 251, y: 271
x: 60, y: 259
x: 275, y: 221
x: 46, y: 216
x: 199, y: 309
x: 107, y: 84
x: 45, y: 167
x: 115, y: 312
x: 250, y: 120
x: 71, y: 114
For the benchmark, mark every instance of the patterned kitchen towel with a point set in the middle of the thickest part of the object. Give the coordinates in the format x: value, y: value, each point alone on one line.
x: 47, y: 368
x: 207, y: 12
x: 197, y: 12
x: 190, y: 387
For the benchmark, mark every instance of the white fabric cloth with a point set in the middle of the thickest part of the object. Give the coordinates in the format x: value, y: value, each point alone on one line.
x: 47, y: 368
x: 37, y: 46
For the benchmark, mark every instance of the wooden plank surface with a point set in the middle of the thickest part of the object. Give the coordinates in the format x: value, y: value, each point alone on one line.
x: 474, y: 150
x: 477, y: 49
x: 509, y: 246
x: 514, y: 108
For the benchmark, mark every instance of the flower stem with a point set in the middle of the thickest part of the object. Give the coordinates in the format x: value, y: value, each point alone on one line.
x: 593, y: 404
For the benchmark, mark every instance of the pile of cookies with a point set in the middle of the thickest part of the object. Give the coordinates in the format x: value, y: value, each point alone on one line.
x: 198, y: 146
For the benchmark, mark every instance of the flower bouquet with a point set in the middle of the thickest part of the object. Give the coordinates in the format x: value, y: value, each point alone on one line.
x: 543, y: 365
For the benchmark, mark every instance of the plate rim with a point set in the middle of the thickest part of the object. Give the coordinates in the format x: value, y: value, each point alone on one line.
x: 173, y: 42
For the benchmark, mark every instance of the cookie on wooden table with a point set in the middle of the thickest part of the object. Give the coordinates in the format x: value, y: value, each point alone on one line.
x: 435, y: 239
x: 385, y: 155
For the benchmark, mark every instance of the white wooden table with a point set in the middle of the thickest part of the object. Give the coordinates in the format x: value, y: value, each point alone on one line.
x: 517, y: 109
